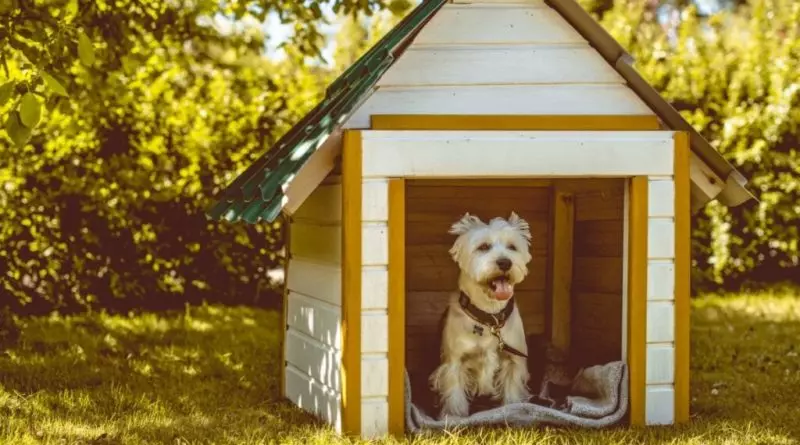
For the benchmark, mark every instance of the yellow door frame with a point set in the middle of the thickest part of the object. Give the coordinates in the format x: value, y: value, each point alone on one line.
x: 351, y: 283
x: 637, y: 298
x: 683, y: 253
x: 637, y: 260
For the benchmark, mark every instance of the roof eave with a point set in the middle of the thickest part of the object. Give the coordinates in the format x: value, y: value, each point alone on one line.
x: 734, y: 192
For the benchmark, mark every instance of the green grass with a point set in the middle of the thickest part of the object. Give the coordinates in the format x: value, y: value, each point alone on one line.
x: 209, y: 375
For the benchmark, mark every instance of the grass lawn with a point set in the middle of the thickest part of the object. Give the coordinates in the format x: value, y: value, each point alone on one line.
x: 210, y: 375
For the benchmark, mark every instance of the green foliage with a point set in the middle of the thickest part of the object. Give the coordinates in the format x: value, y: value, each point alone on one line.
x: 47, y: 37
x: 736, y: 78
x: 116, y: 145
x: 123, y: 118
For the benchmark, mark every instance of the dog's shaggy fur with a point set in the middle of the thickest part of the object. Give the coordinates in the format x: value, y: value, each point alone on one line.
x: 492, y: 258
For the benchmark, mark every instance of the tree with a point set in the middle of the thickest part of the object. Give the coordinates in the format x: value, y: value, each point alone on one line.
x: 104, y: 187
x: 735, y: 77
x: 50, y: 39
x: 351, y: 41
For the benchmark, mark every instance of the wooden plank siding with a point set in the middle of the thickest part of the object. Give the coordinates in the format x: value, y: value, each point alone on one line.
x: 520, y: 154
x: 489, y: 58
x: 597, y: 271
x: 375, y: 304
x: 312, y: 342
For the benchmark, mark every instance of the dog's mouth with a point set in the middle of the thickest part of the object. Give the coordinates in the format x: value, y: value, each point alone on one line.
x: 501, y: 288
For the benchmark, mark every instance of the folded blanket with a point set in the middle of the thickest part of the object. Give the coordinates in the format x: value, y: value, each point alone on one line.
x: 597, y: 398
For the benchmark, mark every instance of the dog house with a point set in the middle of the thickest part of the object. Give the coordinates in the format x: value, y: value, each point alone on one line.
x: 487, y: 107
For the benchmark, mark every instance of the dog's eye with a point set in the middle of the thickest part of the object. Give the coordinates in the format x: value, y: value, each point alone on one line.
x: 484, y: 247
x: 512, y: 247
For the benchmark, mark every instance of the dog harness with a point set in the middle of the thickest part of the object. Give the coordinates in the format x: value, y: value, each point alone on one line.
x: 494, y: 322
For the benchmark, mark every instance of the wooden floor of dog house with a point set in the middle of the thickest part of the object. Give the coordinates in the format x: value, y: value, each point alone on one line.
x: 595, y: 307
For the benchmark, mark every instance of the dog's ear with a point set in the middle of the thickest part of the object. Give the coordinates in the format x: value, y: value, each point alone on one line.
x: 464, y: 225
x: 520, y: 224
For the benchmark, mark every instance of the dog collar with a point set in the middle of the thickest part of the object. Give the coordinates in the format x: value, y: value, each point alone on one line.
x: 495, y: 321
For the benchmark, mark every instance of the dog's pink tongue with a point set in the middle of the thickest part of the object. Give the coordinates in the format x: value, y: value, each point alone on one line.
x: 503, y: 290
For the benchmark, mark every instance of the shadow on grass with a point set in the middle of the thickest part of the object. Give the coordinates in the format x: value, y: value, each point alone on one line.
x: 209, y: 374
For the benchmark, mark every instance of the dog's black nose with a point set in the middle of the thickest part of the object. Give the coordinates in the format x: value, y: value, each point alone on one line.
x: 504, y: 264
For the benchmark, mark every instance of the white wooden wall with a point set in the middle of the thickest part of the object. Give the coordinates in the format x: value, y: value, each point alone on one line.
x: 489, y: 57
x: 374, y: 308
x: 660, y: 375
x: 464, y: 154
x: 313, y: 338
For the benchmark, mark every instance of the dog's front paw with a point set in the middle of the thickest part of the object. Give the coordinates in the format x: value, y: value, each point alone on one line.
x: 516, y: 396
x: 456, y: 407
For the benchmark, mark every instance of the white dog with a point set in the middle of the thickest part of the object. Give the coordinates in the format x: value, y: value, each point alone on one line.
x: 483, y: 350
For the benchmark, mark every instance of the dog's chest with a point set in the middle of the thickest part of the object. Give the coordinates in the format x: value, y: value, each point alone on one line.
x: 477, y: 339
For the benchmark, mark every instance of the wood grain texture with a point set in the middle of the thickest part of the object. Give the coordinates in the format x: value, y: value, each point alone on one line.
x: 313, y: 397
x: 598, y: 274
x: 637, y: 298
x: 560, y: 273
x: 318, y: 242
x: 660, y: 322
x: 375, y: 419
x: 374, y: 375
x: 660, y: 405
x: 660, y: 364
x: 661, y: 280
x: 315, y: 279
x: 323, y: 205
x: 598, y: 311
x: 512, y: 122
x: 315, y: 318
x: 598, y: 201
x: 682, y: 274
x: 518, y: 64
x: 599, y: 239
x: 526, y: 100
x: 525, y: 23
x: 313, y: 358
x: 459, y: 154
x: 351, y: 283
x: 374, y: 288
x: 397, y: 305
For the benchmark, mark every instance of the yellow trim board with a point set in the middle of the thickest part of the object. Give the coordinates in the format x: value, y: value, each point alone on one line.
x: 682, y: 276
x: 513, y: 122
x: 637, y: 298
x: 562, y: 226
x: 480, y: 182
x: 397, y: 305
x: 351, y: 283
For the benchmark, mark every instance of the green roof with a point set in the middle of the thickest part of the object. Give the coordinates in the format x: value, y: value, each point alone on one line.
x: 256, y: 194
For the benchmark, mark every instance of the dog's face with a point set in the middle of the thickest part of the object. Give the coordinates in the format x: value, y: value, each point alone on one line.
x: 494, y: 255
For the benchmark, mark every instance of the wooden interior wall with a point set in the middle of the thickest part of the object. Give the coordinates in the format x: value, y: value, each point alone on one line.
x: 431, y: 208
x: 597, y: 270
